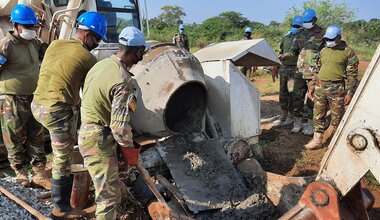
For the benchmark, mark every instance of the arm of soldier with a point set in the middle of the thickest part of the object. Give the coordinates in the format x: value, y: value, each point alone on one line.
x: 294, y: 50
x: 352, y: 71
x: 121, y: 130
x: 318, y: 64
x: 311, y: 87
x: 281, y: 55
x: 4, y: 50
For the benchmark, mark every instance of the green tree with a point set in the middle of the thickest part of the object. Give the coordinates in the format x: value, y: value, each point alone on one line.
x: 235, y: 19
x: 171, y: 14
x: 328, y: 12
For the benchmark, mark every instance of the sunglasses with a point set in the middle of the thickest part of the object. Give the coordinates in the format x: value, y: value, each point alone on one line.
x: 328, y: 39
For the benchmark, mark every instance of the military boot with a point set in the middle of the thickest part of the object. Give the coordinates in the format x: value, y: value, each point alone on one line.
x: 315, y: 143
x: 307, y: 128
x: 284, y: 115
x: 40, y: 180
x: 22, y: 177
x: 288, y: 121
x: 297, y: 127
x: 60, y: 196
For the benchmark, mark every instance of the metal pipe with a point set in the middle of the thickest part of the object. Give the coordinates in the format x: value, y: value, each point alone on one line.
x: 70, y: 8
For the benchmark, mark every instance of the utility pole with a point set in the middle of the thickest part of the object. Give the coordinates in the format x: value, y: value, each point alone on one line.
x: 147, y: 20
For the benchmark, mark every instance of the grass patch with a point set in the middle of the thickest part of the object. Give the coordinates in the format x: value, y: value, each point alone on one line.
x: 265, y: 84
x: 364, y: 52
x: 371, y: 180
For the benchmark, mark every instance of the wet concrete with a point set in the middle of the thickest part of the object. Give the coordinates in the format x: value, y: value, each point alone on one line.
x: 203, y: 173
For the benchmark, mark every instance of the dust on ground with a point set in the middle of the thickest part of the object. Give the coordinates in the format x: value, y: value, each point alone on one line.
x: 283, y: 151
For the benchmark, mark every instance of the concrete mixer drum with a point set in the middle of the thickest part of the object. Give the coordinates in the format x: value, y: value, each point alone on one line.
x: 171, y: 92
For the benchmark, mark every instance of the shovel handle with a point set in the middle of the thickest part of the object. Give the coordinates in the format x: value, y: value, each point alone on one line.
x: 145, y: 175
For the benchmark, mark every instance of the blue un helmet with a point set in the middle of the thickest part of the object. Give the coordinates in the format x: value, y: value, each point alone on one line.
x: 22, y: 14
x: 332, y: 32
x: 95, y: 22
x: 248, y: 29
x: 308, y: 15
x: 297, y: 21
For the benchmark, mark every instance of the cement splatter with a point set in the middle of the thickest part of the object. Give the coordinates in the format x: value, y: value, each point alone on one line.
x: 256, y: 206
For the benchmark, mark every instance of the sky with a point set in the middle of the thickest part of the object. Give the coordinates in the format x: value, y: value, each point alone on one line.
x: 262, y: 11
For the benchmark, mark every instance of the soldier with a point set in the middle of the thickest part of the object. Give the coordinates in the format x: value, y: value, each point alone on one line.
x: 337, y: 63
x: 181, y: 39
x: 247, y: 33
x: 287, y: 71
x: 308, y: 43
x: 108, y: 100
x: 56, y: 101
x: 248, y: 70
x: 19, y: 62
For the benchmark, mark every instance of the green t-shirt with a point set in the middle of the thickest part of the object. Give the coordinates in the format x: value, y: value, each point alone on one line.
x: 19, y: 75
x: 63, y: 71
x: 98, y: 91
x: 335, y: 61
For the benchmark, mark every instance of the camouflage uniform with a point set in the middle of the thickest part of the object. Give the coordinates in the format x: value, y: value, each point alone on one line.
x: 181, y: 40
x: 56, y: 99
x: 287, y: 71
x: 107, y: 99
x: 307, y: 44
x: 22, y: 134
x: 337, y: 77
x: 61, y: 122
x: 56, y: 105
x: 248, y: 71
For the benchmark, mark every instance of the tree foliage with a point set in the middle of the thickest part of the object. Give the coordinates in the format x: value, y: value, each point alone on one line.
x: 171, y: 14
x: 328, y: 12
x: 230, y: 25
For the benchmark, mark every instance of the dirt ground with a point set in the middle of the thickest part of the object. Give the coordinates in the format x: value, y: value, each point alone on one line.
x: 290, y: 157
x: 283, y: 152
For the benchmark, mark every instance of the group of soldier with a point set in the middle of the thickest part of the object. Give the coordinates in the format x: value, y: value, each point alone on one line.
x: 318, y: 75
x: 34, y: 96
x: 316, y: 64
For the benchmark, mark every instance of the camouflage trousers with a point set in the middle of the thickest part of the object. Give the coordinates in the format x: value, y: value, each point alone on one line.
x: 98, y: 148
x: 299, y: 92
x: 61, y: 121
x: 286, y: 87
x: 328, y: 95
x: 23, y: 136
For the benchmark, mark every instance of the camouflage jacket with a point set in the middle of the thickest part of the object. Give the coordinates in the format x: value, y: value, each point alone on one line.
x: 181, y: 40
x: 285, y: 48
x: 307, y: 44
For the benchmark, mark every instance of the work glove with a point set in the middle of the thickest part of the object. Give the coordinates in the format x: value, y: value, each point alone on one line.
x: 131, y: 155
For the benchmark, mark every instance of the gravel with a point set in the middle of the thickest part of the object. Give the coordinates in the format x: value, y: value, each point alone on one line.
x: 11, y: 210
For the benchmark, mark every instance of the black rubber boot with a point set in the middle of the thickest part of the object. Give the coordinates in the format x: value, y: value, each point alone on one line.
x: 60, y: 197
